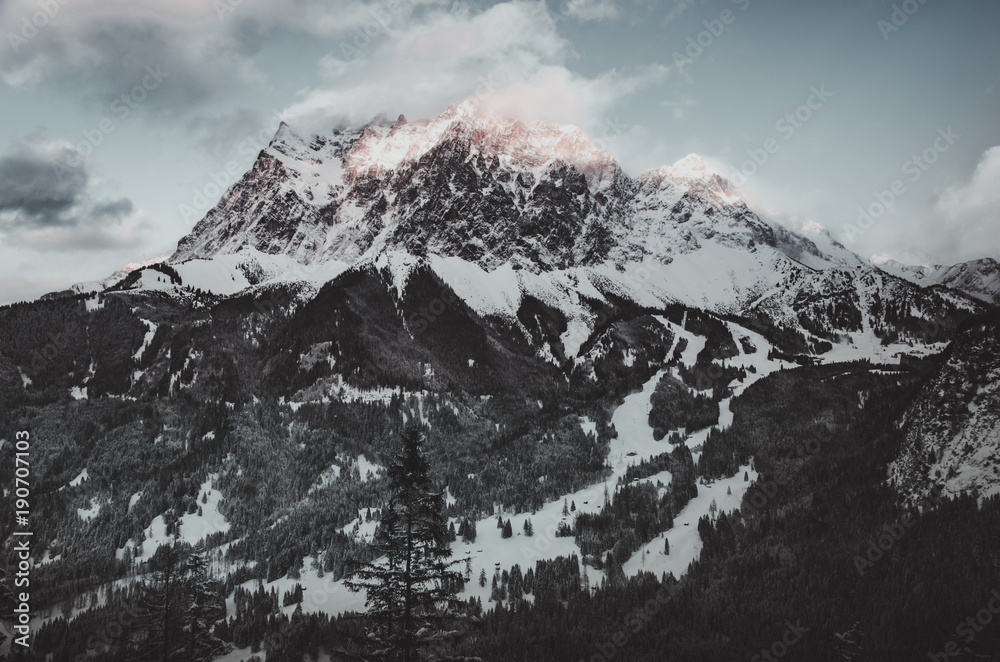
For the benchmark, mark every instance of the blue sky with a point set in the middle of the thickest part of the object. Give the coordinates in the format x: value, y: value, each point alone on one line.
x: 122, y: 119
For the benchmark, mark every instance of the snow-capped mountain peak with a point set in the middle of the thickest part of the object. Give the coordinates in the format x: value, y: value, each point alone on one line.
x: 526, y: 144
x: 503, y: 208
x: 693, y: 166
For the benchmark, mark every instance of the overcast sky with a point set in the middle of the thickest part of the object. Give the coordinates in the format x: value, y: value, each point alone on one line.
x: 121, y: 117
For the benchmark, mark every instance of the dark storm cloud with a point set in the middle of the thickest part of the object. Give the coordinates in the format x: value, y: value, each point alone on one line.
x: 32, y: 188
x: 50, y: 207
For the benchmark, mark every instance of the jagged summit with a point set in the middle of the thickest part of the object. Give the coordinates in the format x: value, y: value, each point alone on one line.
x: 694, y: 166
x: 386, y: 146
x: 502, y: 208
x: 469, y: 183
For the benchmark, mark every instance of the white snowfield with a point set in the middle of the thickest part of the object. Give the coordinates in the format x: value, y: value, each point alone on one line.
x: 762, y: 279
x: 193, y: 527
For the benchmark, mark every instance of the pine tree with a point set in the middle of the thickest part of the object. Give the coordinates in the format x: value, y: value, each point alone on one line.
x: 516, y: 585
x: 204, y: 607
x: 482, y: 577
x: 614, y: 573
x: 160, y: 607
x: 411, y: 588
x: 508, y: 530
x: 469, y: 532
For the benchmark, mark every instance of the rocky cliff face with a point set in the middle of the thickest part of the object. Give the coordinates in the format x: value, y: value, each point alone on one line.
x: 501, y: 209
x: 953, y: 428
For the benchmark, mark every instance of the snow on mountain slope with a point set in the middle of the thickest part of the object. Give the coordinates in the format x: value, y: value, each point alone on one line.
x: 979, y: 279
x: 88, y: 287
x: 491, y: 553
x: 807, y: 241
x: 501, y: 209
x: 488, y: 189
x: 356, y: 192
x: 225, y: 274
x: 953, y: 428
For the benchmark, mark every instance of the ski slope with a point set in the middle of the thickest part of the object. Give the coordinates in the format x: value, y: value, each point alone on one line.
x: 492, y: 554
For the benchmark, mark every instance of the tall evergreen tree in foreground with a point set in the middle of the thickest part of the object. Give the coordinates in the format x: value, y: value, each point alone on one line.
x: 178, y: 610
x: 204, y: 606
x: 160, y: 609
x: 411, y: 587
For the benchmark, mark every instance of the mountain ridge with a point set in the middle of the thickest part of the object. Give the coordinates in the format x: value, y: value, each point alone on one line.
x: 505, y: 211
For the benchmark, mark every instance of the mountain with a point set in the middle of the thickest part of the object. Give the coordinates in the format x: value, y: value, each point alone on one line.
x: 501, y: 209
x: 952, y: 431
x: 979, y: 279
x: 601, y: 354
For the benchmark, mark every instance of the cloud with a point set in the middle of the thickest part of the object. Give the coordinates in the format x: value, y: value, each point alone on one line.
x: 676, y: 10
x: 218, y: 135
x: 414, y: 55
x: 100, y: 50
x: 510, y: 56
x: 972, y: 211
x: 679, y: 107
x: 556, y: 94
x: 590, y: 10
x: 49, y: 206
x: 31, y: 187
